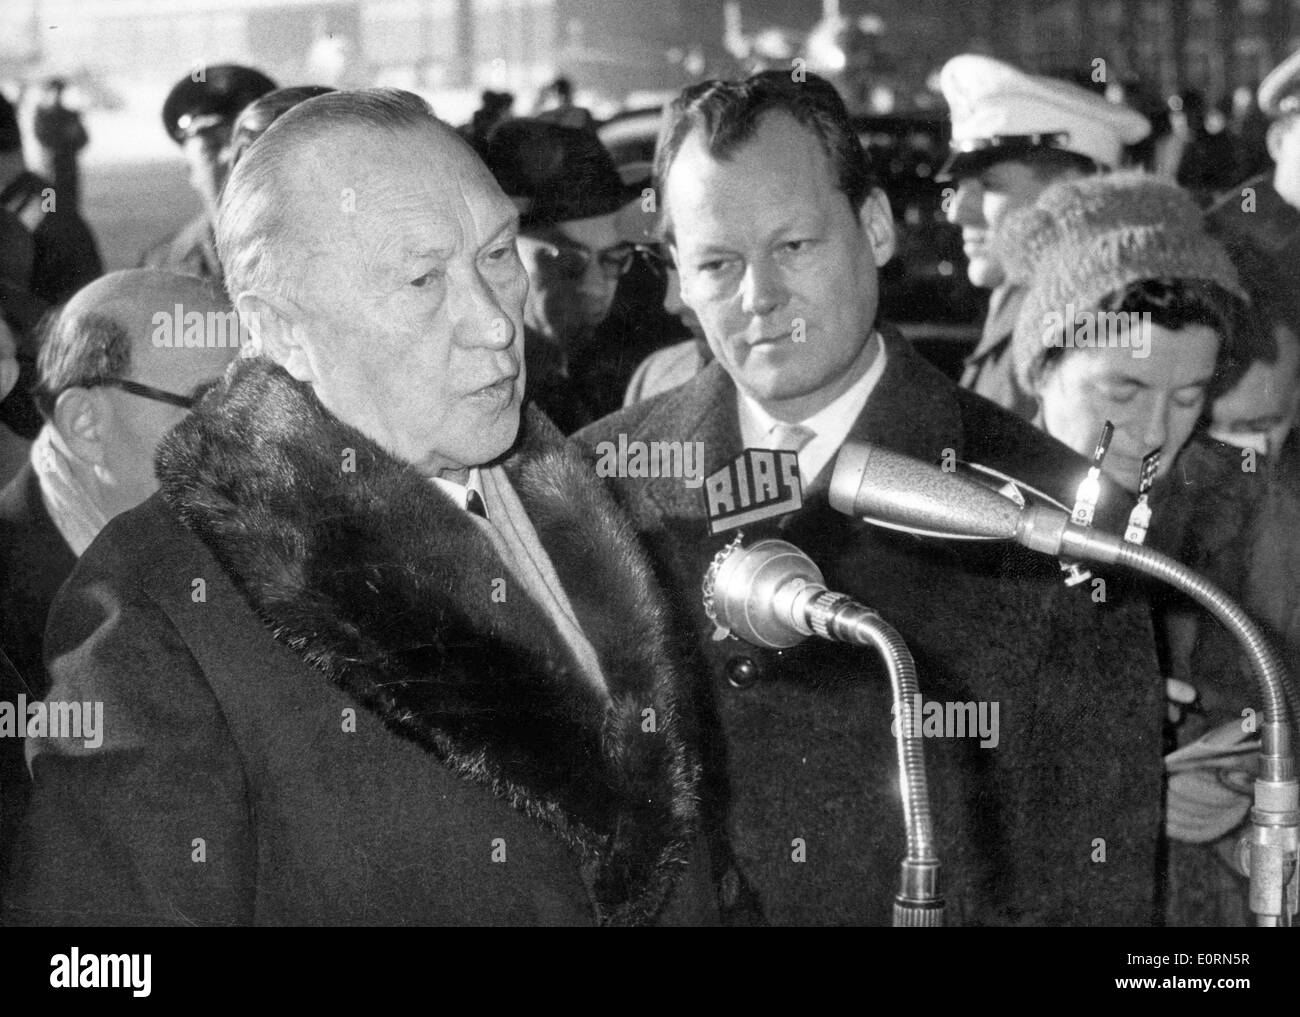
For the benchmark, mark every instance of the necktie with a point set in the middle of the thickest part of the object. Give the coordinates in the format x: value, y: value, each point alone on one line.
x: 474, y: 504
x: 791, y: 437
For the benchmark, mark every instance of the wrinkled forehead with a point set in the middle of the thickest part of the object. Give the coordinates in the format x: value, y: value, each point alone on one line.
x: 361, y: 193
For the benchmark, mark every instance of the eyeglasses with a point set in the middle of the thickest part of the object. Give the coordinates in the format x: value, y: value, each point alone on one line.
x: 573, y: 261
x: 149, y: 392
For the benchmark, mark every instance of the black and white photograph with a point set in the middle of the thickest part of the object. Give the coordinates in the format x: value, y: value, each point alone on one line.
x: 693, y: 463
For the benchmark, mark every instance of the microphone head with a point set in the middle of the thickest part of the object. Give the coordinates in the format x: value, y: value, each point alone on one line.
x: 895, y: 490
x: 752, y: 591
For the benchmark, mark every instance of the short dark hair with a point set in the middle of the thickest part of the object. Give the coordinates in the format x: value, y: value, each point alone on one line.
x: 729, y: 113
x: 78, y: 352
x: 1178, y: 303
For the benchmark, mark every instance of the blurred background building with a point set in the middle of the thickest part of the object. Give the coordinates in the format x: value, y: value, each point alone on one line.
x: 886, y: 50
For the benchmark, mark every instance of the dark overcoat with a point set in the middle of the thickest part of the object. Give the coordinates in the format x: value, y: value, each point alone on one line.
x: 1056, y: 824
x: 328, y: 701
x: 34, y: 562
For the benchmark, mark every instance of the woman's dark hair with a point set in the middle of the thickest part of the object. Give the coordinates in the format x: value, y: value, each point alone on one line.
x: 1177, y: 303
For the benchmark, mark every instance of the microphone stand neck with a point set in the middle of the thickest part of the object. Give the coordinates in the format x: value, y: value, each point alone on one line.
x: 1269, y: 851
x: 836, y: 616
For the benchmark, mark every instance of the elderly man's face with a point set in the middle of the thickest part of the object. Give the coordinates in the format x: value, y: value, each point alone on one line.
x: 778, y: 267
x: 412, y: 304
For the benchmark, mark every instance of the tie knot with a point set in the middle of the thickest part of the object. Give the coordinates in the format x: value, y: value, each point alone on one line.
x: 791, y: 437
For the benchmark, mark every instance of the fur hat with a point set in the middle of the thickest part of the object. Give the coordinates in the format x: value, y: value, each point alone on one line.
x: 1087, y: 237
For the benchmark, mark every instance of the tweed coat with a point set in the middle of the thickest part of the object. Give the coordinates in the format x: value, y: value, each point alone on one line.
x: 1056, y: 824
x: 328, y: 701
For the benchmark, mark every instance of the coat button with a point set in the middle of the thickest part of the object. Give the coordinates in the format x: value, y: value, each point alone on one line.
x: 741, y: 672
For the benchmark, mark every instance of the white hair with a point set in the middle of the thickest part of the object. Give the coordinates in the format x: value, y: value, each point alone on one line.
x: 262, y: 241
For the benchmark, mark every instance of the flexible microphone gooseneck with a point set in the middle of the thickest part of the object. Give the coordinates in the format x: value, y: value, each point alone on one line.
x: 894, y: 490
x: 773, y: 595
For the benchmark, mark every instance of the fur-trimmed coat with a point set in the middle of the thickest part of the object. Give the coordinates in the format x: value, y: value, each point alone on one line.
x: 318, y: 710
x: 1058, y: 823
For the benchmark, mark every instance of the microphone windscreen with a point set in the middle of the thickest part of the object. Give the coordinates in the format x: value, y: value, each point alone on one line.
x: 896, y: 490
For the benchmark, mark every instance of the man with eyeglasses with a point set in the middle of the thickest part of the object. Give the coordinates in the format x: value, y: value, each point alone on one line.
x: 569, y: 193
x: 107, y: 395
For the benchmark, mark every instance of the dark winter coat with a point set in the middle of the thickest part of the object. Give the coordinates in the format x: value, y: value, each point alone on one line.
x: 1058, y: 823
x: 317, y: 711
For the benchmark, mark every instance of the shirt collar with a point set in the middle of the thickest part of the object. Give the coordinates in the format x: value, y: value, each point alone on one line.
x: 459, y: 493
x: 835, y: 419
x: 830, y: 425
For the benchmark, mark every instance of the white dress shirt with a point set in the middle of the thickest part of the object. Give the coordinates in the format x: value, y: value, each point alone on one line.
x: 830, y: 425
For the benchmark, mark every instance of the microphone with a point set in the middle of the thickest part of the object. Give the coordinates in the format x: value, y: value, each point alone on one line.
x: 893, y: 490
x: 897, y: 491
x: 772, y: 594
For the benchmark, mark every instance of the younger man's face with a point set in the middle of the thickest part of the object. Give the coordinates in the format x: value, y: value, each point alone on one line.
x: 979, y: 205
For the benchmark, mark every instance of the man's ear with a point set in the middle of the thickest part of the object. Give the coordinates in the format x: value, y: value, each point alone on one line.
x: 271, y: 323
x: 82, y: 417
x: 877, y: 219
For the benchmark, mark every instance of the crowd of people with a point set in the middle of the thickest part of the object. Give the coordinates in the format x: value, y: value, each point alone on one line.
x: 376, y: 642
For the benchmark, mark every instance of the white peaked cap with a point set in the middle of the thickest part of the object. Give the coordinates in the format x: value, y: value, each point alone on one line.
x: 998, y: 110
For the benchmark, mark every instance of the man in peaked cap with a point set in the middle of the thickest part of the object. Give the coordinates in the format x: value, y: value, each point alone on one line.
x: 569, y: 193
x: 198, y: 114
x: 1261, y: 218
x: 1012, y: 135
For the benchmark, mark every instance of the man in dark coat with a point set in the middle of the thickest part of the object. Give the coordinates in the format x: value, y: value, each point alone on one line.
x: 92, y: 458
x: 1054, y: 818
x: 376, y: 653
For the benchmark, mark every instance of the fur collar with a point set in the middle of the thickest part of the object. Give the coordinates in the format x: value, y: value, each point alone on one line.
x: 376, y: 580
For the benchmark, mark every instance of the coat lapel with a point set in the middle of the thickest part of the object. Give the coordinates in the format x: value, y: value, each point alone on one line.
x: 376, y: 580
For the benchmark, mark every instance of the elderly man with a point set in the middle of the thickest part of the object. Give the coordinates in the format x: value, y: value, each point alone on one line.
x: 778, y: 232
x: 380, y: 651
x: 108, y: 393
x: 1013, y: 134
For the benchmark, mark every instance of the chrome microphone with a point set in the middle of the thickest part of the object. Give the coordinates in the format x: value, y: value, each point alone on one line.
x: 772, y: 594
x: 890, y: 489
